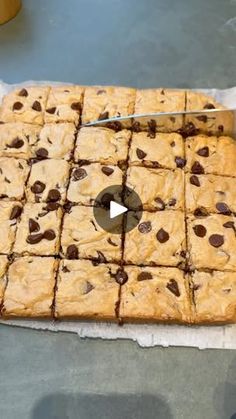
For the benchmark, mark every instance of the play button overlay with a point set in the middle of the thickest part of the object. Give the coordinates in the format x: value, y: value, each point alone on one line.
x: 114, y: 209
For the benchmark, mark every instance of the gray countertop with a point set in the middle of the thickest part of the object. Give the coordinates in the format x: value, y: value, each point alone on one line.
x: 184, y: 43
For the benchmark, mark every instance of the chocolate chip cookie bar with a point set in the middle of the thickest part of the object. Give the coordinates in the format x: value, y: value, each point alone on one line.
x: 85, y: 290
x: 25, y: 105
x: 212, y: 242
x: 17, y: 139
x: 160, y: 100
x: 13, y: 176
x: 159, y: 239
x: 164, y: 150
x: 102, y: 145
x: 88, y: 180
x: 211, y: 123
x: 155, y: 294
x: 30, y: 287
x: 38, y: 232
x: 10, y: 213
x: 214, y: 296
x: 103, y: 102
x: 64, y: 104
x: 56, y: 141
x: 82, y: 237
x: 48, y: 181
x: 210, y: 194
x: 211, y: 155
x: 158, y: 189
x: 3, y: 280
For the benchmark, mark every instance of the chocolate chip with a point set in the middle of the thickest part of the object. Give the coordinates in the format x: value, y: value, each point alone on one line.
x: 115, y: 125
x: 199, y: 230
x: 79, y: 174
x: 107, y: 170
x: 229, y: 224
x: 17, y: 106
x: 162, y: 236
x: 173, y: 287
x: 172, y: 144
x: 172, y: 119
x: 16, y: 143
x: 88, y: 287
x: 140, y: 154
x: 197, y: 168
x: 202, y: 118
x: 111, y: 242
x: 83, y: 162
x: 136, y: 126
x: 101, y: 258
x: 34, y: 238
x: 65, y: 269
x: 49, y: 235
x: 52, y: 206
x: 216, y: 240
x: 172, y: 202
x: 15, y: 212
x: 101, y: 91
x: 144, y: 276
x: 34, y: 227
x: 180, y: 162
x: 103, y: 115
x: 221, y: 128
x: 37, y: 106
x: 106, y: 199
x: 72, y: 252
x: 200, y: 212
x: 223, y: 208
x: 38, y: 187
x: 189, y: 130
x: 51, y: 110
x: 194, y: 181
x: 76, y: 106
x: 145, y: 227
x: 152, y: 125
x: 54, y: 195
x: 42, y: 153
x: 203, y: 152
x: 161, y: 204
x: 121, y: 276
x: 23, y: 92
x: 208, y: 106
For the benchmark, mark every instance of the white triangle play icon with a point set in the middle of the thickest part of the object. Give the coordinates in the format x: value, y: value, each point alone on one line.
x: 116, y: 209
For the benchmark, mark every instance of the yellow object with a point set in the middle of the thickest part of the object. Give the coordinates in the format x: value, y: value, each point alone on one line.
x: 9, y: 9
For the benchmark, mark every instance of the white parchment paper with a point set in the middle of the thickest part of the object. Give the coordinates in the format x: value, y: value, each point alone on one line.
x: 146, y: 335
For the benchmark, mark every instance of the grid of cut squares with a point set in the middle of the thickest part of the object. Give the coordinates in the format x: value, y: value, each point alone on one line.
x: 45, y: 161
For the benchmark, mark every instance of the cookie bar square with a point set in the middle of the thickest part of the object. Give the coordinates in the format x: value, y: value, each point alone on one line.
x: 83, y: 237
x: 64, y: 104
x: 48, y: 181
x: 17, y: 139
x: 56, y: 141
x: 38, y: 232
x: 4, y: 262
x: 87, y: 181
x: 13, y: 176
x: 9, y: 216
x: 30, y: 287
x: 212, y: 242
x: 159, y: 239
x: 211, y: 155
x: 165, y: 150
x: 86, y: 291
x: 214, y: 297
x: 160, y: 100
x: 158, y: 189
x: 102, y: 145
x: 210, y: 194
x: 156, y: 295
x: 25, y: 105
x: 103, y: 102
x: 211, y: 123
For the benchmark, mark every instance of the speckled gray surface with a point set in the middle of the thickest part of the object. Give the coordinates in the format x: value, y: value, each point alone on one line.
x: 184, y: 43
